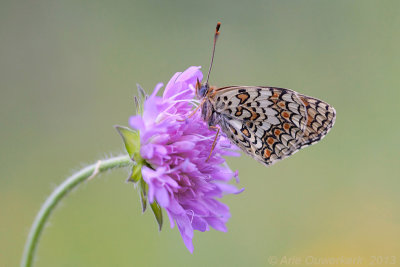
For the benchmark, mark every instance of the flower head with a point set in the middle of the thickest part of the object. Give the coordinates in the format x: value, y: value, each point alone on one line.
x: 172, y: 164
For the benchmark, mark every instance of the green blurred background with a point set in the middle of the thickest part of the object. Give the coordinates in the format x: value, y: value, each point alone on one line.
x: 68, y: 71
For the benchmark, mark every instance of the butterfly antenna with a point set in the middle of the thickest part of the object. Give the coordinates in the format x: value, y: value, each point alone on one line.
x: 213, y: 51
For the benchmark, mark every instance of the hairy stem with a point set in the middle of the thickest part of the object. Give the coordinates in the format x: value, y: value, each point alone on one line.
x: 58, y: 194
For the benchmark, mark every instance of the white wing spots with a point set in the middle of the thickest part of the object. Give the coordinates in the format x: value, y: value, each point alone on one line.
x: 265, y: 93
x: 273, y: 120
x: 233, y: 102
x: 296, y: 119
x: 236, y: 124
x: 315, y: 125
x: 264, y: 126
x: 259, y: 103
x: 294, y: 107
x: 312, y: 112
x: 268, y: 111
x: 260, y: 132
x: 321, y: 110
x: 285, y: 138
x: 287, y: 97
x: 319, y: 118
x: 279, y: 147
x: 258, y: 144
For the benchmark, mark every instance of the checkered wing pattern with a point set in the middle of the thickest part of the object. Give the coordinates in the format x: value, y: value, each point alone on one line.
x: 271, y: 123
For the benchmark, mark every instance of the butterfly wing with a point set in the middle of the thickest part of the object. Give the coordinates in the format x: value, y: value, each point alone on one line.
x: 271, y: 123
x: 320, y: 119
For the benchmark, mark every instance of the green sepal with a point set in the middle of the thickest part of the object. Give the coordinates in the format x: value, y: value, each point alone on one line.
x: 136, y: 173
x: 131, y: 140
x: 157, y: 213
x: 142, y: 93
x: 140, y: 100
x: 143, y: 194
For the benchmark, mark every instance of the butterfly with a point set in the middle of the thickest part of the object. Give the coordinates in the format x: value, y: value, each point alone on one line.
x: 268, y: 123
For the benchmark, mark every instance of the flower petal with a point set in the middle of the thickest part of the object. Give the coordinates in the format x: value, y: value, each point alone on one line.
x: 181, y: 81
x: 136, y: 122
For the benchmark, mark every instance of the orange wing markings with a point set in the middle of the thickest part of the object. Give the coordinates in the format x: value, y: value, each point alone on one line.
x: 254, y: 115
x: 270, y: 140
x: 267, y: 153
x: 307, y: 105
x: 239, y: 111
x: 304, y: 101
x: 285, y: 114
x: 286, y: 126
x: 243, y: 97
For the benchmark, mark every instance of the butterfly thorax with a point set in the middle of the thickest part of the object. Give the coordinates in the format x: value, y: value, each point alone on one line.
x: 208, y: 112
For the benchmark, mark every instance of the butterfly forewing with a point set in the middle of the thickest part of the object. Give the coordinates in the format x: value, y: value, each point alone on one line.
x: 271, y: 123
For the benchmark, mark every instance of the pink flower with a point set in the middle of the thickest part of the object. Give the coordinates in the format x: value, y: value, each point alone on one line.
x: 174, y: 159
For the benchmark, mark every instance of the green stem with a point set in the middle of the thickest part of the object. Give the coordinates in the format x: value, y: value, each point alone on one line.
x: 58, y: 194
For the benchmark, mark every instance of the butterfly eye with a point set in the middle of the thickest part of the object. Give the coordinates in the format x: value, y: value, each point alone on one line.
x: 203, y: 90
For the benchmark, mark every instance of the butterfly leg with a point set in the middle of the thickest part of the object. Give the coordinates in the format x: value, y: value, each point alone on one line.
x: 215, y: 141
x: 194, y: 111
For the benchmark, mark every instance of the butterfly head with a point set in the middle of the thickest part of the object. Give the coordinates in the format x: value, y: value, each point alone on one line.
x: 202, y: 89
